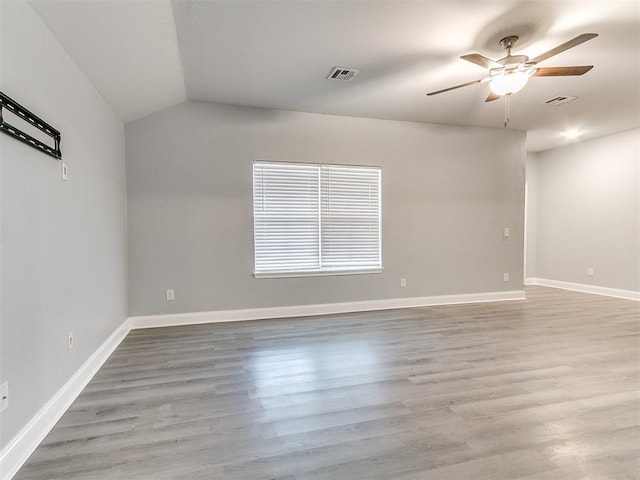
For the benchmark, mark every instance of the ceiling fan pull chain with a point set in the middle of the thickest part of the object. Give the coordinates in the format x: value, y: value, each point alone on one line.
x: 506, y: 103
x: 507, y: 113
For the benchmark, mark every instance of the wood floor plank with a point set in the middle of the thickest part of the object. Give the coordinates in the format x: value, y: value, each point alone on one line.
x: 546, y: 388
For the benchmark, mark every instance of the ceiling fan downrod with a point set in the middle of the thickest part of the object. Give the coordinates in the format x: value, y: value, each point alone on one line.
x: 508, y: 43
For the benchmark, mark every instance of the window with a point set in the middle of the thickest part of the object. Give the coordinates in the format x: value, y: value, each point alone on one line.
x: 316, y: 219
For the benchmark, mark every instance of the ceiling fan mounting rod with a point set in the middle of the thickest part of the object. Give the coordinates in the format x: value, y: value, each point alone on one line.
x: 509, y: 42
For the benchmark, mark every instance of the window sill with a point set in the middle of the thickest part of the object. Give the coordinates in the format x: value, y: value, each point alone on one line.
x: 323, y: 273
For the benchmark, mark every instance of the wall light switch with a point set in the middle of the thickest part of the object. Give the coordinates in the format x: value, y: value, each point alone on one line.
x: 505, y: 277
x: 65, y: 171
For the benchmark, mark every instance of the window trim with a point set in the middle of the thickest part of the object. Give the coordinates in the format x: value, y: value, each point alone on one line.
x: 318, y: 273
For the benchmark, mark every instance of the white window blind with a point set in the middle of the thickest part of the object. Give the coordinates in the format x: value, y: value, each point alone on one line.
x: 316, y: 218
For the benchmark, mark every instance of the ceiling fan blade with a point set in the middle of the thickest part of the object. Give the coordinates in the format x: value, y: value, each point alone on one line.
x: 565, y: 46
x: 562, y: 71
x: 479, y: 60
x: 492, y: 96
x: 453, y: 88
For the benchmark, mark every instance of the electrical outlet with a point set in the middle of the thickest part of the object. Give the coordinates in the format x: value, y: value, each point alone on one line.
x: 507, y: 232
x: 505, y: 277
x: 69, y: 340
x: 171, y: 294
x: 403, y: 282
x: 4, y: 396
x: 590, y: 272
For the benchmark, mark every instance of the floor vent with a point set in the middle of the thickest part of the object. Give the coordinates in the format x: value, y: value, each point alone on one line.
x: 559, y: 100
x: 342, y: 74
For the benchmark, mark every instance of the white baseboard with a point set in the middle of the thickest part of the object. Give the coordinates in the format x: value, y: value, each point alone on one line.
x: 153, y: 321
x: 16, y: 453
x: 581, y: 287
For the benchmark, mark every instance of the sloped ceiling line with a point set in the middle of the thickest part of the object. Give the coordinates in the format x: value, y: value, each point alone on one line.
x: 144, y: 56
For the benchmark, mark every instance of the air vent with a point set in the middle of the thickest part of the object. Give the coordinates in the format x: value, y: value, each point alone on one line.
x: 559, y: 100
x: 342, y: 74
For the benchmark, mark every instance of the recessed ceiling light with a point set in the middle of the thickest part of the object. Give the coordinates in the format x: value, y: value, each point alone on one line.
x: 572, y: 133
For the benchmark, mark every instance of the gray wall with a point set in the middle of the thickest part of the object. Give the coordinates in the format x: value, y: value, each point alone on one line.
x: 588, y: 212
x: 448, y: 192
x: 531, y: 218
x: 63, y: 261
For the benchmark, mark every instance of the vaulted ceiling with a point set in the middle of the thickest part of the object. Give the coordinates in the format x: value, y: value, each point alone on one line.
x: 146, y: 55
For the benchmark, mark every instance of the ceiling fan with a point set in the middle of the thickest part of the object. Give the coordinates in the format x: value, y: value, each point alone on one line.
x: 511, y: 73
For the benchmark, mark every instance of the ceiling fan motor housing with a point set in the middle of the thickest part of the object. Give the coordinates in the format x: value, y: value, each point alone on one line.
x: 513, y: 60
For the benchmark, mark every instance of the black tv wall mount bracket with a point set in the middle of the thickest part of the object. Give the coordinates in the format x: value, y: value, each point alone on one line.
x: 24, y: 114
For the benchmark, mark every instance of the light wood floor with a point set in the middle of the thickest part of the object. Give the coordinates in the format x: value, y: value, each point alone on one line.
x: 547, y: 388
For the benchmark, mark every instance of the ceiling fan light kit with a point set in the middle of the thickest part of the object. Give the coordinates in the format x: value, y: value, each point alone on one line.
x: 511, y: 73
x: 508, y: 83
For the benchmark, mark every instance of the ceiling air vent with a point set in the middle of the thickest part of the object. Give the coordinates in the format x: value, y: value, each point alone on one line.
x: 559, y: 100
x: 342, y: 74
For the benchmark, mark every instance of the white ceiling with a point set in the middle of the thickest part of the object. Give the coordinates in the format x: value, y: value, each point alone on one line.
x: 146, y: 55
x: 128, y: 49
